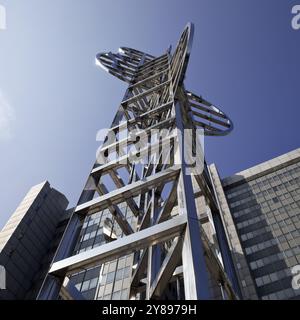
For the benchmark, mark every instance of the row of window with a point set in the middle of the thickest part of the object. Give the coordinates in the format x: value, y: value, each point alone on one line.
x: 274, y: 203
x: 272, y: 277
x: 267, y: 196
x: 292, y: 240
x: 283, y: 227
x: 249, y: 222
x: 282, y: 295
x: 92, y: 234
x: 255, y: 233
x: 272, y: 258
x: 261, y: 246
x: 87, y: 285
x: 290, y: 208
x: 117, y: 275
x: 263, y: 183
x: 269, y: 193
x: 115, y: 278
x: 118, y: 295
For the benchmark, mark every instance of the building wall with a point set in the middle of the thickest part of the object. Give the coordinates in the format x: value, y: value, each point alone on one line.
x: 48, y: 257
x: 246, y: 283
x: 26, y: 240
x: 264, y: 202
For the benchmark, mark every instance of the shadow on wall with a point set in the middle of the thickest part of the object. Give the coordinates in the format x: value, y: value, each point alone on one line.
x: 264, y: 246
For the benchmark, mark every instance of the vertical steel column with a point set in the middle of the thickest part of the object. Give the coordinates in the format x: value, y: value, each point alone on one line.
x: 196, y: 284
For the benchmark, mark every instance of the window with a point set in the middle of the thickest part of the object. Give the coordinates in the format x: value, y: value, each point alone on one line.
x: 85, y: 285
x: 259, y: 282
x: 89, y: 295
x: 77, y: 286
x: 127, y: 272
x: 119, y: 274
x: 275, y: 200
x: 86, y: 237
x: 93, y: 283
x: 110, y: 277
x: 116, y: 295
x: 274, y: 276
x: 124, y: 294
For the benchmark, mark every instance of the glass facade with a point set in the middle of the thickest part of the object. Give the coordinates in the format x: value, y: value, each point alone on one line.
x: 266, y: 213
x: 111, y: 280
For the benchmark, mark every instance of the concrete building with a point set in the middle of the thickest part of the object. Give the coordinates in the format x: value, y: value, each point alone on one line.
x: 261, y: 210
x: 29, y: 240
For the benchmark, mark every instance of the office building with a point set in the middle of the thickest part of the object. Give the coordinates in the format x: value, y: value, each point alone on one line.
x: 261, y: 206
x: 29, y: 240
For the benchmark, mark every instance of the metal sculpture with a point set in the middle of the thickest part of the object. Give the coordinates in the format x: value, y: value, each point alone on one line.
x: 168, y: 241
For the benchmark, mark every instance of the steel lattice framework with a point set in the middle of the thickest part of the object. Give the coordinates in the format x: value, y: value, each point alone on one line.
x: 168, y: 239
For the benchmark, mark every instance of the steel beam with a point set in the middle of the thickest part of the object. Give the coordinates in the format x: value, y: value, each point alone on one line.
x: 167, y: 269
x: 132, y: 190
x: 116, y: 212
x: 68, y: 291
x: 121, y: 247
x: 196, y: 283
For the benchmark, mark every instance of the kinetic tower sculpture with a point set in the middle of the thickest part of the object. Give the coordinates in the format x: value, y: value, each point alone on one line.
x: 158, y: 208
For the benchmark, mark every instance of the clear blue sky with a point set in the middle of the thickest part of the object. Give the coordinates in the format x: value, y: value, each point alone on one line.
x: 53, y: 99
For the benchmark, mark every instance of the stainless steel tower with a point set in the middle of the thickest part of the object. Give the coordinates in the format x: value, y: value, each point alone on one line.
x: 149, y: 197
